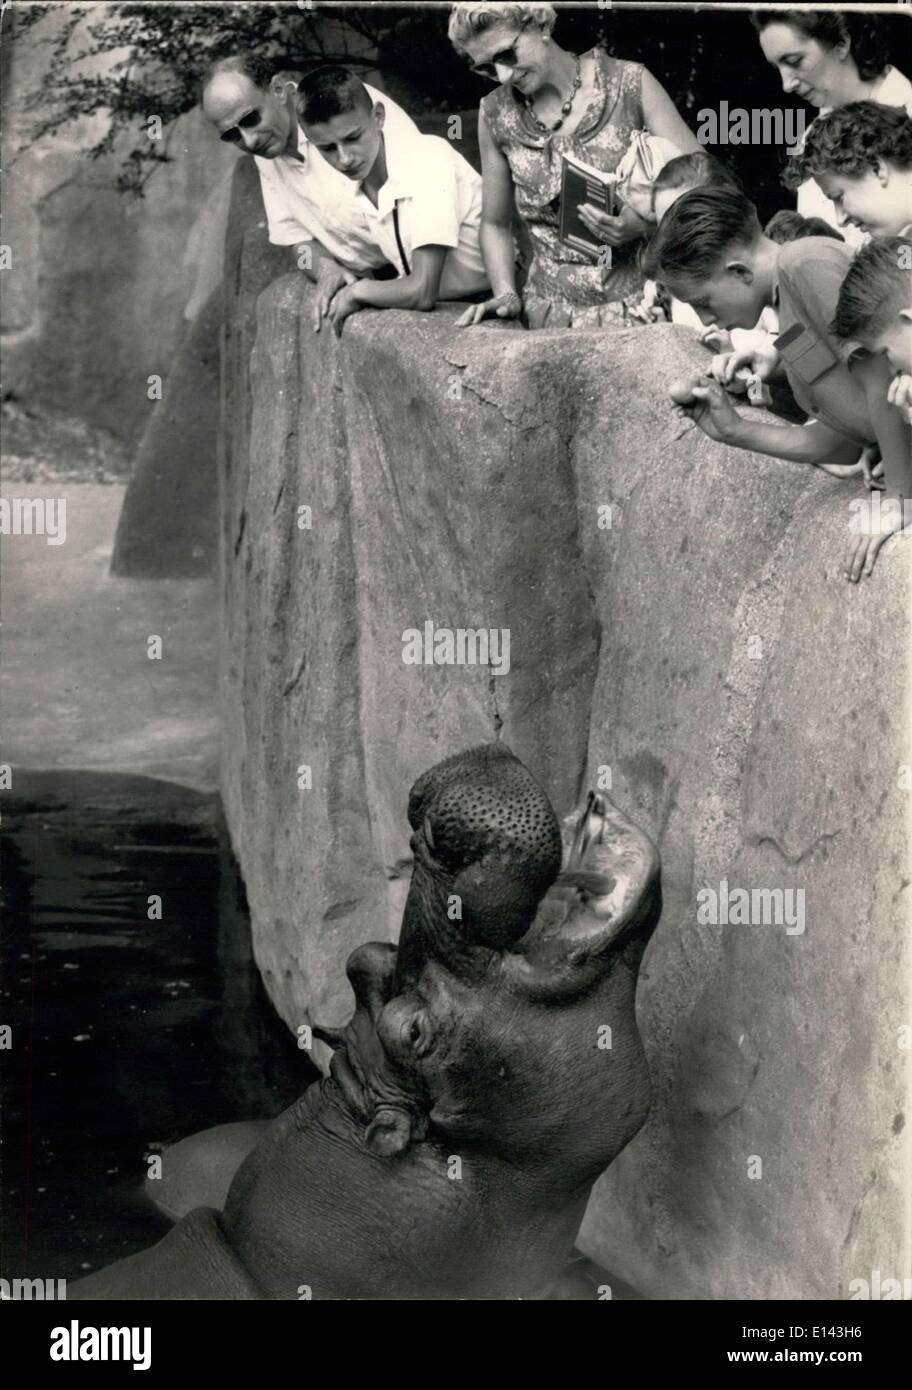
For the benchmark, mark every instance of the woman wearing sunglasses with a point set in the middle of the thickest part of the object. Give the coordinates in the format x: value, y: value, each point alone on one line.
x: 549, y: 102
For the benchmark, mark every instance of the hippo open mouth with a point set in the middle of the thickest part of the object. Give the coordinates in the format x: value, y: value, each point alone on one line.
x: 491, y: 1070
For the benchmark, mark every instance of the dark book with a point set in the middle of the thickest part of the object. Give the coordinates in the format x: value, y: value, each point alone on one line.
x: 581, y: 183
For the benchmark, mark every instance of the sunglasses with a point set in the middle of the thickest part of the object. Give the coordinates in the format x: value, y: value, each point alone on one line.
x: 506, y: 58
x: 249, y: 122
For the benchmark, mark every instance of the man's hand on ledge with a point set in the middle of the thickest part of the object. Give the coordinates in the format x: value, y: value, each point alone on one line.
x: 330, y: 280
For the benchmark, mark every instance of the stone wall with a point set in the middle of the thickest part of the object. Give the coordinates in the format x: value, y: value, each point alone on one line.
x: 748, y: 701
x: 94, y: 302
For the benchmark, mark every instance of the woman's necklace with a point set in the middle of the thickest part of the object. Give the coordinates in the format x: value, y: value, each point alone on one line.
x: 565, y: 107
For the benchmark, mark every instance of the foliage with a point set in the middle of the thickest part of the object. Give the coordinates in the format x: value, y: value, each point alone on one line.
x: 159, y: 52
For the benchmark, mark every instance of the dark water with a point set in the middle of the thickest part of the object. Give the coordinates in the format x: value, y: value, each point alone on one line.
x: 128, y: 1033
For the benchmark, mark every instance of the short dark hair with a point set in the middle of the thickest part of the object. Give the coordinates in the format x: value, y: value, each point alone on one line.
x: 867, y: 43
x: 699, y: 169
x: 788, y: 225
x: 259, y: 68
x: 850, y: 140
x: 698, y: 229
x: 878, y: 284
x: 330, y: 91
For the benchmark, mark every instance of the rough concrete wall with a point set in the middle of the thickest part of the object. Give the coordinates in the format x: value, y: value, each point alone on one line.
x: 94, y: 302
x: 705, y: 648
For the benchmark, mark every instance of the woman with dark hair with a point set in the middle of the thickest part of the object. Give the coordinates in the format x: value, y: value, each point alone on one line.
x: 830, y: 58
x: 548, y: 103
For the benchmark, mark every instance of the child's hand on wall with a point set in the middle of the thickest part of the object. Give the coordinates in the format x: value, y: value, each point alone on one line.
x: 329, y: 281
x: 872, y: 467
x: 716, y: 339
x: 900, y: 395
x: 870, y: 532
x: 759, y: 362
x: 344, y: 303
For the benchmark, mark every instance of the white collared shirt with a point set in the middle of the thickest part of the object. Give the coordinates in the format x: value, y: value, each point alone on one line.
x: 306, y: 199
x: 432, y: 197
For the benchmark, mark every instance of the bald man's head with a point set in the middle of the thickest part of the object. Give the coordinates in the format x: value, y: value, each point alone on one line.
x: 251, y: 103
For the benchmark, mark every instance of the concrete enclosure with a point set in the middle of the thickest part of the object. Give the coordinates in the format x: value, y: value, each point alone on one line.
x: 679, y: 625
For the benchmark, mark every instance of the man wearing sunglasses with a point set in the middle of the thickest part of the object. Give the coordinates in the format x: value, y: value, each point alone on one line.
x: 251, y: 101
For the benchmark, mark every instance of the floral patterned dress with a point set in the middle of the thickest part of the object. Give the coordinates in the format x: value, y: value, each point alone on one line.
x: 564, y: 288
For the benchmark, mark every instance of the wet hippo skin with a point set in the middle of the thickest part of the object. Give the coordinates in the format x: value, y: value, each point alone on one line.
x: 492, y: 1070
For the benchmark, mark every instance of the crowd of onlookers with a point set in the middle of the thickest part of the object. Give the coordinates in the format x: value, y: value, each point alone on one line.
x: 815, y: 307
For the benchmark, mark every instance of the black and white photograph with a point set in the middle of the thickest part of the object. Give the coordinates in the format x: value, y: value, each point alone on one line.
x: 456, y: 771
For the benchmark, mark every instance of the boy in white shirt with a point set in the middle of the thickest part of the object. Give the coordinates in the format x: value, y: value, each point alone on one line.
x: 419, y: 197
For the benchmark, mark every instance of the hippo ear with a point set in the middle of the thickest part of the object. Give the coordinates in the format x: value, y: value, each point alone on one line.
x: 389, y: 1132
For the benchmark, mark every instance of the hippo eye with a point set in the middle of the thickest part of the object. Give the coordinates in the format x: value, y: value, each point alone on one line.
x: 416, y: 1035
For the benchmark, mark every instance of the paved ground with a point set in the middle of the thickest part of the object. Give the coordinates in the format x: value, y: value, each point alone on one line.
x: 77, y: 686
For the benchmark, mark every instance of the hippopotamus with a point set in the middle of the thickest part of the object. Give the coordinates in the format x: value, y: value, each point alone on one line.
x: 491, y: 1071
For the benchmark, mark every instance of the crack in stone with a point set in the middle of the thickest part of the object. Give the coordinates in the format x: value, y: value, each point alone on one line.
x: 497, y: 404
x: 793, y: 859
x: 497, y: 720
x: 296, y: 675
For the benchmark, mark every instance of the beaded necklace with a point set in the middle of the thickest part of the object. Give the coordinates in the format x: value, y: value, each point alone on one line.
x: 565, y: 106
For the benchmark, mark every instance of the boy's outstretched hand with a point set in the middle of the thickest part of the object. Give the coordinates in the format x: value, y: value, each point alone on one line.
x: 709, y: 405
x: 875, y: 529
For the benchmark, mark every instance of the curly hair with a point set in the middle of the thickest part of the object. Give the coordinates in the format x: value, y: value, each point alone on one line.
x: 851, y: 140
x: 876, y: 287
x: 865, y: 34
x: 468, y: 20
